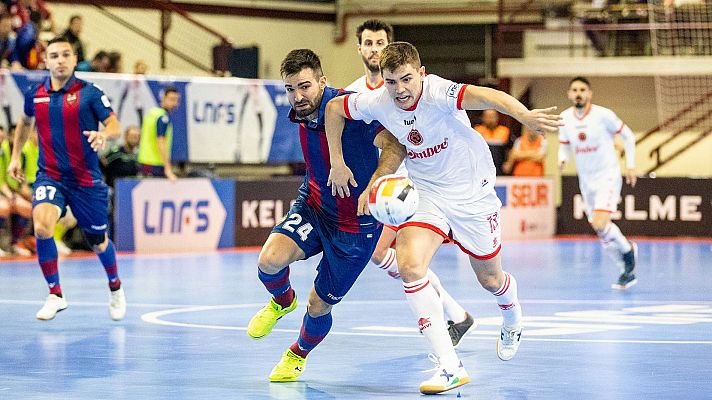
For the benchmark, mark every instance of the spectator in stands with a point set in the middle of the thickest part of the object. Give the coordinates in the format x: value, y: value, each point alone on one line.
x: 121, y: 160
x: 72, y: 34
x: 116, y: 64
x: 8, y: 46
x: 31, y: 15
x: 496, y: 136
x: 154, y: 151
x: 100, y: 63
x: 26, y: 11
x: 527, y: 155
x: 20, y: 201
x: 140, y: 67
x: 5, y: 193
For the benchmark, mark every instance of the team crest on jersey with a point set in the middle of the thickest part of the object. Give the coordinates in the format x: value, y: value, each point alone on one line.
x: 582, y: 136
x: 415, y: 137
x: 71, y: 98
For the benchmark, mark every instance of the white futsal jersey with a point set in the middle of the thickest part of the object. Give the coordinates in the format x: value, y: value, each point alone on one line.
x: 446, y: 157
x: 361, y: 85
x: 591, y: 138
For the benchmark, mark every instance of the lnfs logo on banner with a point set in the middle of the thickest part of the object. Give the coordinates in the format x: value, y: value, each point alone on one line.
x: 182, y: 215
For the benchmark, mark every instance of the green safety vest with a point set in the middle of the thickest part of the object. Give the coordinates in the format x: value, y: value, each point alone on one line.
x: 148, y: 152
x: 4, y: 160
x: 30, y: 156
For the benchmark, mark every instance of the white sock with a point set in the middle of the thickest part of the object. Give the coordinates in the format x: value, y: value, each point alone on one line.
x: 612, y: 234
x: 426, y: 306
x: 508, y: 302
x: 453, y: 310
x: 389, y: 262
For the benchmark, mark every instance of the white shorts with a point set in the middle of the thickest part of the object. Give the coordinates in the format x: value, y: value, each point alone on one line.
x: 601, y: 194
x: 474, y: 227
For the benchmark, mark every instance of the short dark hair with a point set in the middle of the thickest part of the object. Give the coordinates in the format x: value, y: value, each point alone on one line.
x: 580, y: 79
x: 100, y: 54
x: 74, y: 17
x: 299, y: 59
x: 58, y: 39
x: 375, y: 25
x: 170, y: 89
x: 398, y: 54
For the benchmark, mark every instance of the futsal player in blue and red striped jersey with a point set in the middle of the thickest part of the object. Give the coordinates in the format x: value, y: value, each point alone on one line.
x: 318, y: 222
x: 67, y: 112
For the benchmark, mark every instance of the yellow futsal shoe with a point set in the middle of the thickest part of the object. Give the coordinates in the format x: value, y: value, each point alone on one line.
x: 262, y: 323
x: 289, y: 368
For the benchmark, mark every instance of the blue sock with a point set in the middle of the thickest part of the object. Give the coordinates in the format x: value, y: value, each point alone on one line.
x: 314, y: 330
x: 108, y: 260
x: 278, y: 285
x: 47, y: 257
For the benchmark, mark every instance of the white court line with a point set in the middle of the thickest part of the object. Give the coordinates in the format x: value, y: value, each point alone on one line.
x: 155, y: 318
x: 376, y: 302
x: 151, y: 318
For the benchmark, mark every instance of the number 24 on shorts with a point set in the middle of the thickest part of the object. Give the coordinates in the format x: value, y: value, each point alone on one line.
x: 296, y: 219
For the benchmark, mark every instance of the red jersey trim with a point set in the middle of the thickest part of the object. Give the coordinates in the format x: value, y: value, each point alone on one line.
x: 346, y: 106
x: 621, y: 128
x: 460, y: 95
x: 415, y: 105
x: 373, y: 87
x: 585, y: 114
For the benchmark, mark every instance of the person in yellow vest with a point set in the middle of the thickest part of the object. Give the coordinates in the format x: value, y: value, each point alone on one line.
x: 154, y: 151
x: 5, y: 193
x: 527, y: 155
x: 18, y: 203
x: 496, y: 136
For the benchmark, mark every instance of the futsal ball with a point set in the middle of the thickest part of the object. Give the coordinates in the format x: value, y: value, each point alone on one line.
x: 393, y: 199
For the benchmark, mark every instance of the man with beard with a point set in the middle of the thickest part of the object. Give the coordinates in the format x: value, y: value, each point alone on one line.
x: 590, y: 129
x: 317, y: 222
x: 373, y: 36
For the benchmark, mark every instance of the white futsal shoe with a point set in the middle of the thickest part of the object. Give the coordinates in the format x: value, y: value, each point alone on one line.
x: 117, y: 304
x: 51, y: 307
x: 508, y: 343
x: 445, y: 379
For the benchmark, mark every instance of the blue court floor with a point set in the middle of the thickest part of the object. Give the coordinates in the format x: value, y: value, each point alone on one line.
x: 184, y: 336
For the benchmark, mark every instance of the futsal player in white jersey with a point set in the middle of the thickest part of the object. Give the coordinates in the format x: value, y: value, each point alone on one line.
x: 373, y: 36
x: 590, y: 130
x: 452, y: 168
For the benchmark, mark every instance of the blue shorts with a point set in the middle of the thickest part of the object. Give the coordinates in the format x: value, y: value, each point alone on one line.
x: 89, y: 204
x: 346, y: 254
x: 151, y: 170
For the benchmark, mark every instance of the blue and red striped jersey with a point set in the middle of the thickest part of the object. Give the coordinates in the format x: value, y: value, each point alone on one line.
x: 361, y: 157
x: 61, y: 118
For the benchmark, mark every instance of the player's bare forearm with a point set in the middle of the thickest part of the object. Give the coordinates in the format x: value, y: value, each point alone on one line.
x: 481, y: 98
x: 163, y: 149
x: 340, y: 176
x: 335, y: 120
x: 22, y: 132
x: 392, y: 155
x: 112, y: 127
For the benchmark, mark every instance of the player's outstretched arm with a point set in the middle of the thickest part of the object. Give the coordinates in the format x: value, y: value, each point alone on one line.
x: 392, y: 156
x: 97, y: 139
x: 539, y: 120
x: 340, y: 175
x: 22, y: 132
x: 629, y: 143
